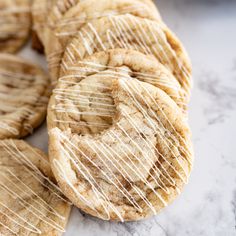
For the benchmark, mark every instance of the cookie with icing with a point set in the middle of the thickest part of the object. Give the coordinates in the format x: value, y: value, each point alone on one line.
x: 30, y: 201
x: 119, y: 146
x: 24, y: 93
x: 130, y: 32
x: 65, y: 22
x: 91, y: 79
x: 15, y: 21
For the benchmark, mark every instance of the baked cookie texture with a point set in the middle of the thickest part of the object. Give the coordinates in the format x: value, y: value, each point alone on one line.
x: 30, y: 201
x: 130, y: 32
x: 91, y: 81
x: 15, y: 24
x: 119, y: 146
x: 24, y: 93
x: 66, y: 21
x: 119, y: 142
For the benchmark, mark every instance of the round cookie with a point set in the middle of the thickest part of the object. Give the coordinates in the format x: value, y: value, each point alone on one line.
x: 15, y: 23
x: 30, y: 201
x: 130, y: 32
x: 24, y: 93
x: 119, y: 148
x: 65, y: 22
x: 99, y: 69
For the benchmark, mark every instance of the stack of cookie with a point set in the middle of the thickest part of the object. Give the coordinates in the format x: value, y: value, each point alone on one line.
x: 119, y: 141
x: 119, y: 144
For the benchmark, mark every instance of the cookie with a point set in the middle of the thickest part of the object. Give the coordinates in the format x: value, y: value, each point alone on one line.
x: 15, y: 23
x: 65, y: 22
x: 91, y: 74
x: 119, y: 146
x: 130, y: 32
x: 24, y: 93
x: 40, y: 11
x: 30, y: 201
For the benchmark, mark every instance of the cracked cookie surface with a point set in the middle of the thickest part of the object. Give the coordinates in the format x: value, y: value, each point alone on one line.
x: 130, y: 32
x: 66, y: 20
x: 91, y: 79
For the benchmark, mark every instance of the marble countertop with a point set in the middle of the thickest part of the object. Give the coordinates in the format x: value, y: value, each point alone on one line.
x: 208, y: 204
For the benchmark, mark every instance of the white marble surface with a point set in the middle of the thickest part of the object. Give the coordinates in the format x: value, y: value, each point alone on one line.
x: 208, y: 205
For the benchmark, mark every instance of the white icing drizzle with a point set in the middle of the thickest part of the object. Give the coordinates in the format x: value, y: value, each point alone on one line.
x: 91, y: 67
x: 63, y: 175
x: 151, y: 146
x: 37, y: 213
x: 99, y: 193
x: 81, y: 96
x: 155, y: 80
x: 29, y: 165
x: 16, y: 189
x: 41, y: 202
x: 122, y: 33
x: 123, y: 149
x: 108, y: 155
x: 82, y: 19
x: 6, y: 227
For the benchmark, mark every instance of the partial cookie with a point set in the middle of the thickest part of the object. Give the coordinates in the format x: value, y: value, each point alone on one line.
x: 24, y: 93
x: 40, y: 11
x: 65, y: 22
x: 120, y: 148
x: 15, y: 21
x: 130, y: 32
x: 87, y: 79
x: 30, y: 201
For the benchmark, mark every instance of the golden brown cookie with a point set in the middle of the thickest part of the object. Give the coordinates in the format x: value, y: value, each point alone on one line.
x: 15, y: 23
x: 24, y: 93
x: 65, y: 22
x: 30, y: 201
x: 119, y: 146
x: 91, y: 74
x: 130, y: 32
